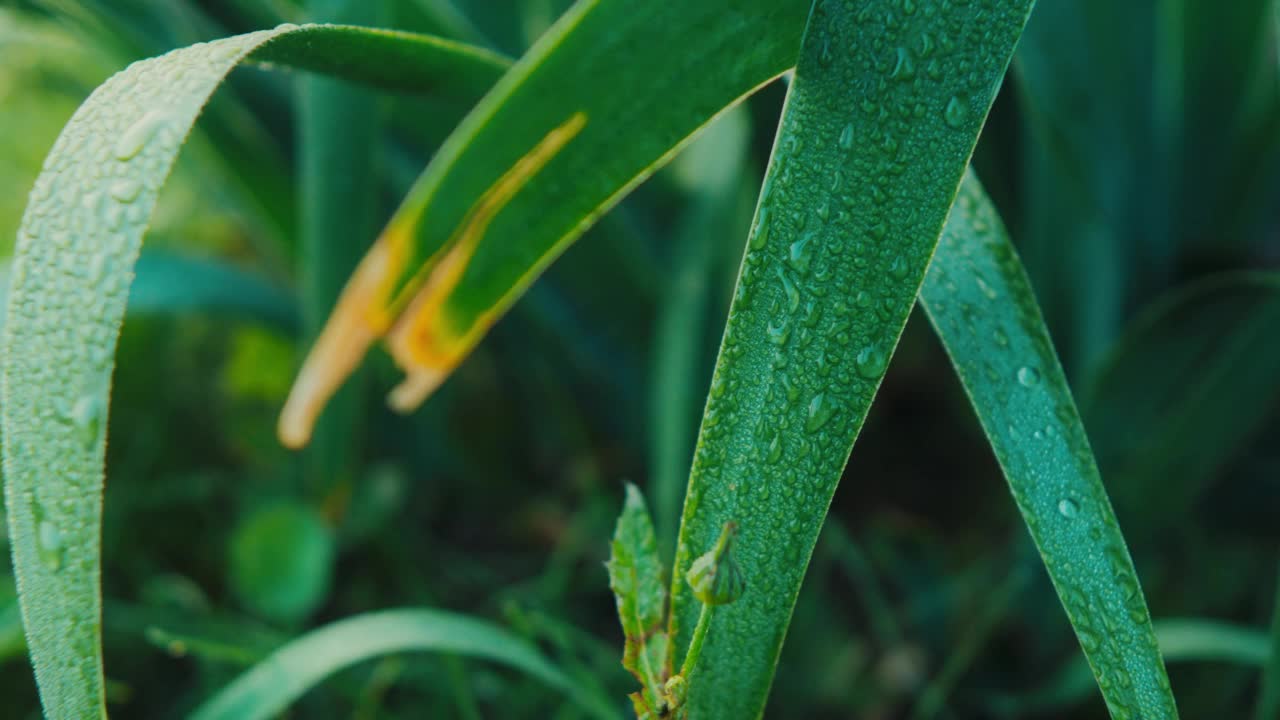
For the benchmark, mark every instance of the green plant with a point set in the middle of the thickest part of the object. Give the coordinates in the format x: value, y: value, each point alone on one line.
x: 866, y: 205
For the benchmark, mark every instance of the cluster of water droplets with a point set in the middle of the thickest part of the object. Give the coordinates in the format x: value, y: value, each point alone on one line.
x: 841, y: 239
x: 1009, y: 366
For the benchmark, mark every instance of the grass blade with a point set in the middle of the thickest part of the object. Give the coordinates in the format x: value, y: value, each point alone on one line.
x: 270, y: 686
x: 864, y: 170
x: 76, y: 248
x: 982, y: 306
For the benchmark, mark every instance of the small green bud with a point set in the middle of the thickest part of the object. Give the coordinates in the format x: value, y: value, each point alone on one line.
x: 676, y: 689
x: 715, y: 577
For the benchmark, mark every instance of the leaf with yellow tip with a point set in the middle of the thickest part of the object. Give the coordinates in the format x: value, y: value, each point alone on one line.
x: 412, y: 320
x: 482, y: 222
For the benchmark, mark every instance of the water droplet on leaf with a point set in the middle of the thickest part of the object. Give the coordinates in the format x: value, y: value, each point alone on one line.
x: 956, y: 113
x: 1028, y: 376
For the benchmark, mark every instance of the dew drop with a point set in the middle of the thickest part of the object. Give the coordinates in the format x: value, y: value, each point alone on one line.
x: 761, y: 236
x: 899, y: 268
x: 905, y: 68
x: 778, y: 334
x: 821, y: 409
x: 86, y: 416
x: 775, y: 449
x: 956, y: 113
x: 801, y: 253
x: 825, y: 57
x: 871, y: 362
x: 1028, y: 376
x: 791, y: 291
x: 1088, y: 640
x: 125, y: 190
x: 134, y: 139
x: 986, y: 289
x: 846, y: 137
x: 1068, y: 508
x: 49, y: 544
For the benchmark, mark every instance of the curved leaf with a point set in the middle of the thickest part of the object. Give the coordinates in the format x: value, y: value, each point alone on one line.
x: 982, y: 306
x: 76, y: 248
x: 269, y: 687
x: 434, y: 295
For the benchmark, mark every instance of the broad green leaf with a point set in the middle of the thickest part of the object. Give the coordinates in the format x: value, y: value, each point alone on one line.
x: 172, y: 284
x: 1188, y: 385
x: 534, y: 165
x: 881, y: 119
x: 76, y: 248
x: 983, y: 308
x: 639, y: 586
x: 272, y: 685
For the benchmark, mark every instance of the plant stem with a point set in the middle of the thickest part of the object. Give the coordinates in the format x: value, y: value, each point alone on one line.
x: 695, y: 645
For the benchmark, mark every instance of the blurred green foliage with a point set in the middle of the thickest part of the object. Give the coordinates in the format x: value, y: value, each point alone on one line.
x: 1135, y: 153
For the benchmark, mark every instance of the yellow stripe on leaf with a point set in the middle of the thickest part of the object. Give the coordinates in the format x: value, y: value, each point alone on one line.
x: 421, y: 344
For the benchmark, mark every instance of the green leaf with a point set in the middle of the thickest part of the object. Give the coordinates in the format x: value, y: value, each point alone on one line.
x: 1190, y: 383
x: 878, y: 129
x: 282, y: 562
x: 76, y: 249
x: 983, y: 308
x: 639, y: 586
x: 269, y: 687
x: 534, y: 164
